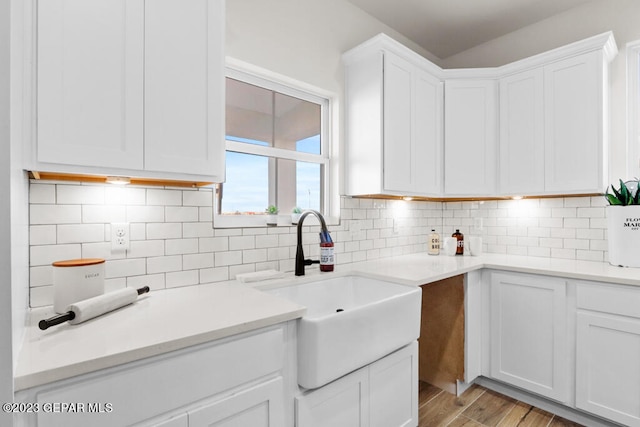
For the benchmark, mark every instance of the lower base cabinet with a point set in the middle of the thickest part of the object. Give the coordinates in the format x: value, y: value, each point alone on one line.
x: 529, y: 346
x: 383, y: 394
x: 260, y: 406
x: 608, y: 352
x: 233, y: 382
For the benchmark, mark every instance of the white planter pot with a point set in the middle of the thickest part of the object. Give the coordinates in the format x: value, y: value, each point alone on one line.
x: 272, y: 219
x: 295, y: 217
x: 623, y: 227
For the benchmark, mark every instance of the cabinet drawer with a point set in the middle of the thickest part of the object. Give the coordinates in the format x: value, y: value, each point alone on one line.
x: 147, y: 388
x: 614, y: 299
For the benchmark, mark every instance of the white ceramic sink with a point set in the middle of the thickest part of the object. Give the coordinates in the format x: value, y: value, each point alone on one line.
x: 350, y: 322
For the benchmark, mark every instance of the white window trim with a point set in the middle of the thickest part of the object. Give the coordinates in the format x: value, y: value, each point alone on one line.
x: 633, y: 109
x: 288, y: 86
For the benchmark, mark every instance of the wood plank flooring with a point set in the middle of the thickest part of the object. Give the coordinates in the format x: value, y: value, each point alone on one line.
x: 480, y: 407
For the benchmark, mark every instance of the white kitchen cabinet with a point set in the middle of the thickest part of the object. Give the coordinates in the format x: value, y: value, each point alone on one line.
x: 383, y: 394
x: 575, y: 134
x: 90, y: 83
x: 393, y: 121
x: 259, y: 406
x: 522, y: 133
x: 393, y: 389
x: 131, y: 88
x: 608, y: 352
x: 184, y: 91
x: 528, y: 333
x: 470, y: 128
x: 235, y: 381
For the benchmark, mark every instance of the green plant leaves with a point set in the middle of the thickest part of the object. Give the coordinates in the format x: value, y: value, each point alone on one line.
x: 623, y: 196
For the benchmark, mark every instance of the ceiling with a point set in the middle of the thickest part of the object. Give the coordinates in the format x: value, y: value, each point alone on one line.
x: 447, y: 27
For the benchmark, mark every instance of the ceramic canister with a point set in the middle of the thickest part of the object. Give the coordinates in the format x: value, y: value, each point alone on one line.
x: 76, y: 280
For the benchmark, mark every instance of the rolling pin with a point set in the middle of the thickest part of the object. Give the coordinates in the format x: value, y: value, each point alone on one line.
x: 82, y: 311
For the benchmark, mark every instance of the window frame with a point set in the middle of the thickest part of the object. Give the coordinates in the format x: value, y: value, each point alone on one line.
x: 633, y: 109
x: 247, y: 73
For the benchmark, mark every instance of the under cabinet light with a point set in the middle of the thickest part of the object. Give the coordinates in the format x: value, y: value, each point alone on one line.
x: 118, y: 180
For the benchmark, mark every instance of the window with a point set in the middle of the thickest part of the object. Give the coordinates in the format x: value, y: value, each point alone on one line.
x: 277, y: 151
x: 633, y: 107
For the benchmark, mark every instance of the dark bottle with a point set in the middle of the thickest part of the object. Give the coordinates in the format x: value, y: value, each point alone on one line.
x: 460, y: 246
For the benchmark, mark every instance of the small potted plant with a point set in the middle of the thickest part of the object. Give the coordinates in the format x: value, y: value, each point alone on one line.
x: 272, y: 215
x: 623, y: 224
x: 295, y: 215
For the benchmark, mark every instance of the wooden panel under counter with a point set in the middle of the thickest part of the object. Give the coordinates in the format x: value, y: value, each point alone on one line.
x: 441, y: 342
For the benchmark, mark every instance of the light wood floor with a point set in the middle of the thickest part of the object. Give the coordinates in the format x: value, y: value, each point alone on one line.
x: 479, y: 406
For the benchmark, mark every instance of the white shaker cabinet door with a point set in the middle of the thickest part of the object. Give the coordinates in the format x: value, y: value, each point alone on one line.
x: 608, y: 367
x: 574, y: 136
x: 90, y: 82
x: 427, y: 134
x: 398, y: 94
x: 470, y: 137
x: 528, y: 330
x: 522, y: 133
x: 258, y: 406
x: 184, y: 87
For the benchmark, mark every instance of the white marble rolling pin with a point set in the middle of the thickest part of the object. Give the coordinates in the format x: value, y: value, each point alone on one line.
x: 93, y: 307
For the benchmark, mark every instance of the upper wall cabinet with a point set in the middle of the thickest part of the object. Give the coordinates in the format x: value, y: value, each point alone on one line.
x: 575, y: 118
x: 394, y: 122
x: 553, y: 119
x: 470, y: 129
x: 131, y: 88
x: 522, y: 133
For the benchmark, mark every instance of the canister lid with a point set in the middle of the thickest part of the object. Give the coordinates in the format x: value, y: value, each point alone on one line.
x: 78, y: 262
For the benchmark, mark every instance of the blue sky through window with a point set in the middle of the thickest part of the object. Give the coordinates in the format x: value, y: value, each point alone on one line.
x: 247, y: 185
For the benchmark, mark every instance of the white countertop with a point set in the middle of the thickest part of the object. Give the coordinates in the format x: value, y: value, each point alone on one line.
x: 172, y: 319
x: 156, y: 323
x: 418, y: 269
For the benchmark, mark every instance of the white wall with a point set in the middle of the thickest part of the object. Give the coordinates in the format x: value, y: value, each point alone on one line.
x: 19, y: 182
x: 302, y: 39
x: 620, y: 16
x: 6, y: 356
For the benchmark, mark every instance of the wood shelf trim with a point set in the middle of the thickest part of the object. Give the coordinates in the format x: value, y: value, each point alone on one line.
x: 99, y: 179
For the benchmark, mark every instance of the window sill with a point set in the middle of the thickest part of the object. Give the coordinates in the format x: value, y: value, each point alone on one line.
x: 259, y: 221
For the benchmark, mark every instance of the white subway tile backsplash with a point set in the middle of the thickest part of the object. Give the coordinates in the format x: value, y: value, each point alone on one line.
x: 42, y: 235
x: 182, y: 278
x: 153, y: 281
x: 197, y: 261
x: 203, y: 197
x: 181, y: 246
x: 197, y: 229
x: 103, y: 214
x: 54, y: 214
x: 158, y: 197
x: 223, y: 259
x: 145, y: 213
x: 181, y: 214
x: 40, y: 297
x: 164, y: 264
x: 173, y: 242
x: 42, y: 194
x: 241, y: 242
x: 80, y: 233
x: 80, y: 195
x: 41, y: 276
x: 146, y: 248
x: 101, y: 250
x: 47, y: 254
x: 124, y: 267
x: 164, y: 231
x: 210, y: 275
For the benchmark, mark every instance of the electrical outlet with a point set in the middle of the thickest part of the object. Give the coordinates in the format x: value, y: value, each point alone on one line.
x: 119, y: 236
